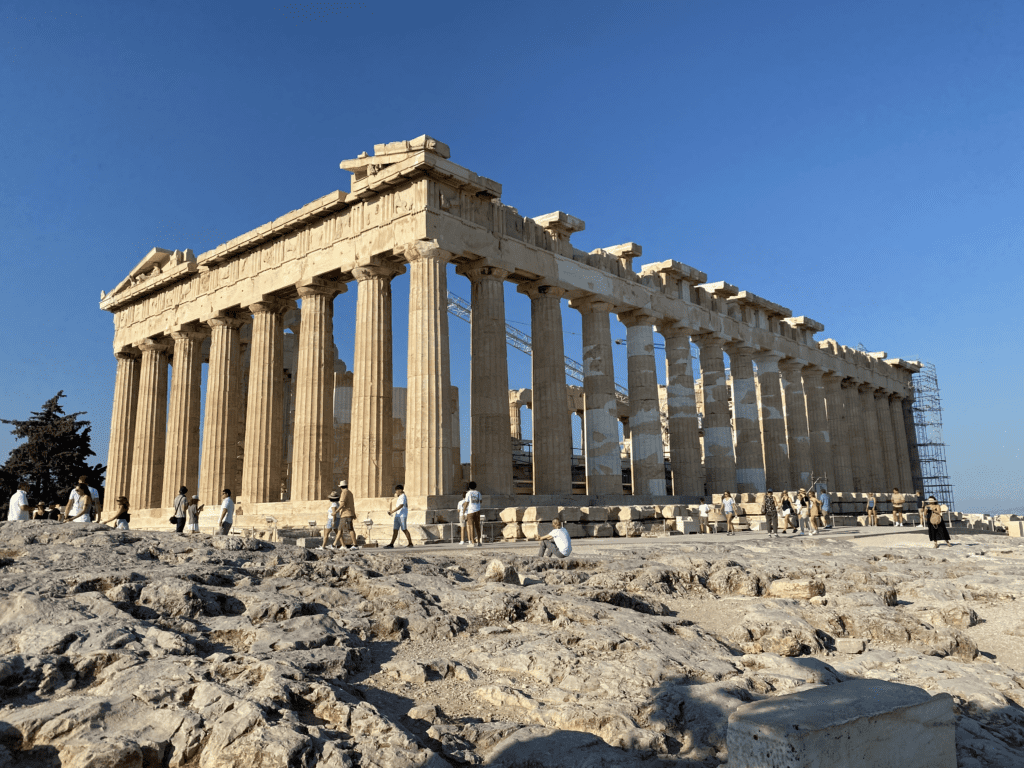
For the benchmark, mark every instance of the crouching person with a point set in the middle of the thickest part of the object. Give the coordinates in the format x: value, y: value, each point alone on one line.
x: 556, y: 543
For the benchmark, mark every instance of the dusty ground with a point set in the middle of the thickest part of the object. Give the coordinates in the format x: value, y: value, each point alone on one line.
x: 123, y: 649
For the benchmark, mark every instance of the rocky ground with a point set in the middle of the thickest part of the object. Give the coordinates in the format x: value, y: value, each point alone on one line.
x: 129, y: 649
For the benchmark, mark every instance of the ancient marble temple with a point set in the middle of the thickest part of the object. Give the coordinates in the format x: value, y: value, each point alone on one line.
x: 793, y: 409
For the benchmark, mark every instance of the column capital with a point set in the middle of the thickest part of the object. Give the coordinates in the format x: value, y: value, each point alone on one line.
x: 128, y: 353
x: 768, y: 354
x: 635, y: 317
x: 591, y: 305
x: 418, y: 250
x: 319, y: 286
x: 482, y: 270
x: 193, y: 331
x: 863, y: 386
x: 271, y: 305
x: 791, y: 365
x: 154, y: 345
x: 849, y: 383
x: 377, y: 272
x: 671, y: 329
x: 709, y: 341
x: 739, y: 349
x: 537, y: 289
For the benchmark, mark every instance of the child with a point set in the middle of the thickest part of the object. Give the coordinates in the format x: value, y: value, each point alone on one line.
x: 194, y: 508
x: 703, y: 509
x: 333, y: 519
x: 463, y: 525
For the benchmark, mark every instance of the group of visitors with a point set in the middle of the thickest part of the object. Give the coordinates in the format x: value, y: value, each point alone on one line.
x: 186, y: 511
x: 82, y: 506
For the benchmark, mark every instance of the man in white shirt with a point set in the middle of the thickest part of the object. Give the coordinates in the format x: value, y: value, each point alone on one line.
x: 19, y: 508
x: 473, y: 501
x: 556, y: 543
x: 704, y: 509
x: 73, y: 501
x: 227, y: 513
x: 400, y: 509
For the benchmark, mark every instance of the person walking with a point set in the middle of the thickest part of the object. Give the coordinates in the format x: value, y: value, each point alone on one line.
x: 192, y: 515
x: 347, y: 502
x: 898, y: 500
x: 771, y: 514
x: 729, y: 508
x: 703, y: 511
x: 814, y: 505
x: 180, y: 516
x: 871, y: 509
x: 826, y: 508
x: 557, y: 543
x: 919, y: 505
x: 474, y: 500
x: 803, y: 512
x: 333, y: 520
x: 400, y: 510
x: 788, y: 519
x: 936, y: 525
x: 227, y: 513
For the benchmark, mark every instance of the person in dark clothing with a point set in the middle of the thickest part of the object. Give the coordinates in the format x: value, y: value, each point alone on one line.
x: 771, y: 514
x: 936, y: 524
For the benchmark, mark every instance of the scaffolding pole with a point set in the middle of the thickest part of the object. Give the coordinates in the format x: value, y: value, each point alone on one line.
x: 931, y: 448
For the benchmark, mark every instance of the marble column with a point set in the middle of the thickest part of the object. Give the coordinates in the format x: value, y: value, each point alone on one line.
x: 312, y: 443
x: 913, y: 454
x: 902, y: 445
x: 875, y: 478
x: 797, y: 437
x: 489, y: 419
x: 219, y: 462
x: 835, y: 399
x: 264, y: 433
x: 150, y: 427
x: 371, y: 444
x: 883, y: 417
x: 647, y: 456
x: 750, y: 473
x: 515, y: 419
x: 428, y: 451
x: 822, y: 463
x: 854, y: 424
x: 181, y: 455
x: 773, y: 422
x: 552, y: 427
x: 719, y: 460
x: 122, y: 428
x: 683, y: 426
x: 600, y: 417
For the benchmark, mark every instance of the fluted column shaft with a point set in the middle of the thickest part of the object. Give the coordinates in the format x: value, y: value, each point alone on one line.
x: 122, y: 429
x: 797, y: 435
x: 313, y: 446
x: 750, y: 474
x: 883, y: 417
x: 371, y: 445
x: 902, y: 448
x: 428, y: 451
x: 490, y: 422
x: 515, y: 420
x: 835, y: 398
x: 875, y: 478
x: 181, y: 455
x: 719, y: 460
x: 600, y: 419
x: 219, y: 463
x: 552, y: 426
x: 913, y: 455
x: 773, y: 422
x: 264, y: 432
x: 647, y: 454
x: 822, y: 461
x: 150, y: 427
x: 683, y: 426
x: 854, y: 418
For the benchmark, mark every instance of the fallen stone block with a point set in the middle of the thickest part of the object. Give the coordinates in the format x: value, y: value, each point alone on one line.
x: 1015, y: 528
x: 598, y: 530
x: 796, y: 589
x: 623, y: 513
x: 857, y: 723
x: 539, y: 514
x: 511, y: 514
x: 686, y: 525
x: 593, y: 514
x: 569, y: 514
x: 849, y: 645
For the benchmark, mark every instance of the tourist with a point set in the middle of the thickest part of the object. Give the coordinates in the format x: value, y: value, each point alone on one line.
x: 53, y: 511
x: 474, y: 501
x: 121, y: 516
x: 462, y: 506
x: 557, y: 543
x: 194, y: 508
x: 788, y: 520
x: 919, y: 505
x: 814, y: 505
x: 80, y: 505
x: 227, y: 513
x: 771, y: 514
x: 826, y: 508
x: 347, y: 519
x: 73, y: 501
x: 872, y: 509
x: 803, y: 512
x: 898, y: 500
x: 180, y: 510
x: 936, y: 525
x: 333, y: 520
x: 40, y: 512
x: 729, y: 508
x: 400, y: 510
x: 703, y: 510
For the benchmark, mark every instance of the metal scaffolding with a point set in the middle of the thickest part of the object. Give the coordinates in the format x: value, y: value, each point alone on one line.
x: 930, y: 447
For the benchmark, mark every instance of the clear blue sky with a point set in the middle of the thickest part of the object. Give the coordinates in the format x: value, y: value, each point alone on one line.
x: 857, y: 162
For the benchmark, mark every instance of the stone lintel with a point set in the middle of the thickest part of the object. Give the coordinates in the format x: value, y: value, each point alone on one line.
x: 878, y: 355
x: 907, y: 365
x: 720, y: 290
x: 746, y: 298
x: 560, y: 225
x: 804, y: 323
x: 675, y: 269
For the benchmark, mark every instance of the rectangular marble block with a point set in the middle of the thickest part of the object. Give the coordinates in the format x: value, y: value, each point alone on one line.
x: 593, y: 514
x: 859, y: 723
x: 1015, y: 528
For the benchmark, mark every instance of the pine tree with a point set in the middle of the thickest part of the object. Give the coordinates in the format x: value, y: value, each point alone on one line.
x: 54, y: 453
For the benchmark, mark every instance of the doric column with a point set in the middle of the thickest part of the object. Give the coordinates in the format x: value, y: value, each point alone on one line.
x: 600, y: 418
x: 122, y: 428
x: 489, y: 420
x: 371, y: 443
x: 874, y: 474
x: 683, y: 426
x: 902, y: 447
x: 312, y: 451
x: 428, y: 447
x: 822, y: 463
x: 883, y: 417
x: 219, y: 462
x: 835, y: 399
x: 647, y: 456
x: 797, y: 437
x: 719, y: 461
x: 515, y: 418
x: 750, y: 475
x: 150, y: 427
x: 773, y: 422
x: 913, y: 454
x: 552, y: 427
x: 854, y: 425
x: 264, y: 432
x: 181, y: 456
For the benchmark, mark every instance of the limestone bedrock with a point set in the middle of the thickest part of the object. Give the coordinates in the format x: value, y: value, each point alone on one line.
x: 856, y: 723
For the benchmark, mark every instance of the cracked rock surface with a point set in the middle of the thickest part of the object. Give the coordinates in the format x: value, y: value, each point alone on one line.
x: 124, y: 649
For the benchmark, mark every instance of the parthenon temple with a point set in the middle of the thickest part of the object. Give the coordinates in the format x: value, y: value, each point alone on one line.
x: 793, y: 410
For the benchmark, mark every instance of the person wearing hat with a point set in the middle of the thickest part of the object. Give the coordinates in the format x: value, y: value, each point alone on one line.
x: 347, y: 503
x: 333, y: 519
x: 121, y: 516
x: 192, y: 515
x: 937, y: 532
x: 771, y: 514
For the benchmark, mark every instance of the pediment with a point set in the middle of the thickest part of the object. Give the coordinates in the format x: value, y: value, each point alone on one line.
x: 157, y: 267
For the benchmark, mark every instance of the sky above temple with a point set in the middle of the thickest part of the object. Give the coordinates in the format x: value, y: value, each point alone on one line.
x: 859, y: 163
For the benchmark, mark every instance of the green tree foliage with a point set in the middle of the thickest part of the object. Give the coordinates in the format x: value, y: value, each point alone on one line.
x: 54, y: 453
